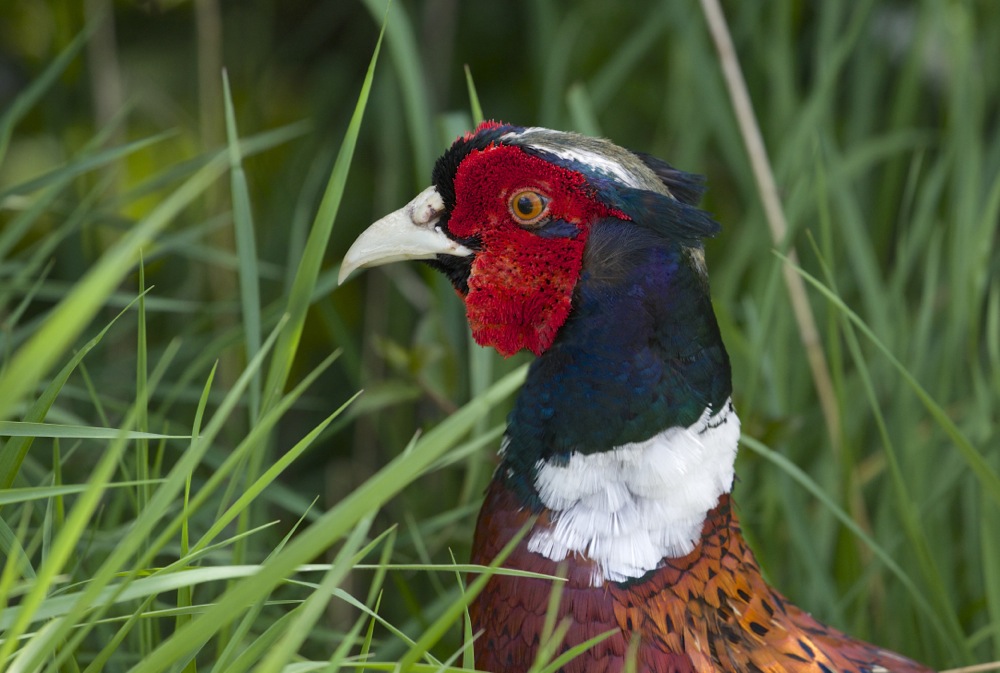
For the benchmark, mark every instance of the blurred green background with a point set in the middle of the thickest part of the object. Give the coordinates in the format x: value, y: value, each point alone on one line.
x: 881, y: 120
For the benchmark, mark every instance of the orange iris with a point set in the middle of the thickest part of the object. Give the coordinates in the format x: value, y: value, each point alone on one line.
x: 528, y: 206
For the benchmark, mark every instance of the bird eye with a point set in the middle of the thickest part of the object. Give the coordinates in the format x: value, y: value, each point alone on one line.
x: 528, y: 206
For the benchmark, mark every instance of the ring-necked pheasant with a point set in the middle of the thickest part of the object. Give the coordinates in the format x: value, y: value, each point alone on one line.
x: 623, y: 438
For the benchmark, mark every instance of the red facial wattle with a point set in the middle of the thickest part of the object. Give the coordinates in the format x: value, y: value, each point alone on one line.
x: 521, y: 282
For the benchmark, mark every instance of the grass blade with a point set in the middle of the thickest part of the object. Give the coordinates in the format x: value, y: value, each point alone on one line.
x: 246, y: 247
x: 319, y: 235
x: 30, y: 96
x: 74, y: 312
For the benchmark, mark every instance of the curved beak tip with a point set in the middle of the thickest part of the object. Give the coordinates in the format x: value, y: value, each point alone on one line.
x: 346, y: 270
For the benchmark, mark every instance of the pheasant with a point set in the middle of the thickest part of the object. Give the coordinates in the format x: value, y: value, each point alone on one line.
x: 619, y: 449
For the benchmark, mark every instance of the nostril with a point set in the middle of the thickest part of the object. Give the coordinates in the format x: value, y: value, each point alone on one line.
x: 427, y: 208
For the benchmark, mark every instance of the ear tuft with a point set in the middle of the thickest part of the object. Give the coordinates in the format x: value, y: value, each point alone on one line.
x: 677, y: 220
x: 686, y: 187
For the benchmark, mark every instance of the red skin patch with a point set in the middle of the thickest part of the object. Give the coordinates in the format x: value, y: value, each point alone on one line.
x: 521, y: 284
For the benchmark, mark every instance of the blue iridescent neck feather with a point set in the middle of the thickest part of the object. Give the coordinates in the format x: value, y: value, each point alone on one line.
x: 640, y: 352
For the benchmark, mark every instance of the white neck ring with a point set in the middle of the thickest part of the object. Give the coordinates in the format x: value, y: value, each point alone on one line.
x: 629, y: 508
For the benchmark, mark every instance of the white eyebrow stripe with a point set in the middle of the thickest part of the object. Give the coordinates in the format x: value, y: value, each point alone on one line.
x: 535, y: 137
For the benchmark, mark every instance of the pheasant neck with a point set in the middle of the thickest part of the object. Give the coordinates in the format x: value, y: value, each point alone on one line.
x: 624, y: 430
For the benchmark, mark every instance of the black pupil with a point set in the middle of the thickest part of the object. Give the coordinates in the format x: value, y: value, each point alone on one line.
x: 525, y: 205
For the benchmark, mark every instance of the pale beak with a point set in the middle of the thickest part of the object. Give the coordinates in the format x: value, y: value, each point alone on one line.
x: 412, y: 232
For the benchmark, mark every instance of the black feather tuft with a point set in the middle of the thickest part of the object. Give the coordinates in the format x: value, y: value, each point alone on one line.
x: 686, y: 187
x: 674, y: 219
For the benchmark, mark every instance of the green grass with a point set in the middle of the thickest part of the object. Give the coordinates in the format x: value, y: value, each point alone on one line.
x: 191, y: 479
